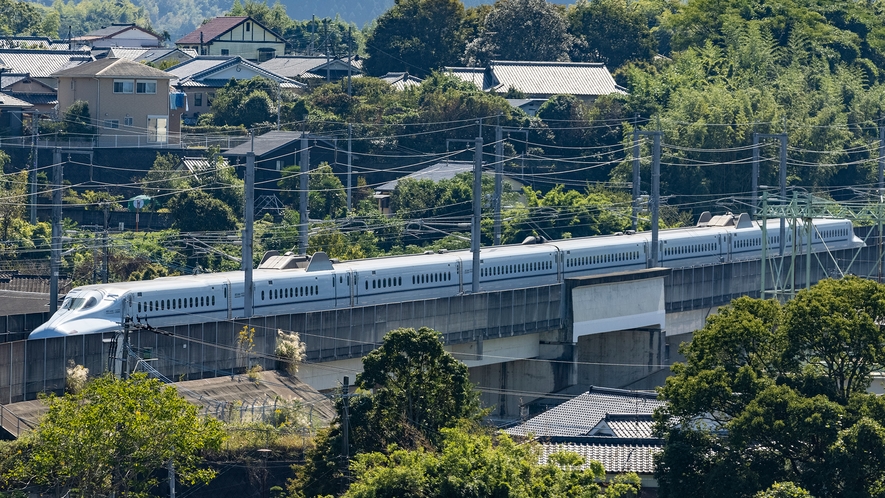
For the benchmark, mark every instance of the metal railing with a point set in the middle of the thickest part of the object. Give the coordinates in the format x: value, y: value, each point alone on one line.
x: 13, y: 424
x: 106, y: 141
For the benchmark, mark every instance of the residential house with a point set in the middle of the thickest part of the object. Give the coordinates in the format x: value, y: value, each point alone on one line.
x: 313, y: 69
x: 41, y: 64
x: 12, y: 112
x: 445, y: 170
x: 34, y: 43
x: 234, y: 36
x: 274, y: 151
x: 153, y: 56
x: 538, y: 81
x: 119, y: 35
x: 125, y: 99
x: 612, y: 426
x: 401, y: 81
x: 201, y: 77
x: 22, y: 86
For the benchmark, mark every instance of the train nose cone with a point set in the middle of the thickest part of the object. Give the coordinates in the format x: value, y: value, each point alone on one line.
x: 46, y: 331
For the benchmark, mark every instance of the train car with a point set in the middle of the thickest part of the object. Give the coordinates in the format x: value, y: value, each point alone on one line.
x: 292, y: 284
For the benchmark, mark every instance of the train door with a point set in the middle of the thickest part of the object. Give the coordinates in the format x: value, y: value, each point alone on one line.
x: 355, y: 281
x: 724, y: 247
x: 229, y: 297
x: 459, y: 268
x: 343, y: 289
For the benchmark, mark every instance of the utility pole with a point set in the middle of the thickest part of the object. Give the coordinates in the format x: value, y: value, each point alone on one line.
x: 33, y: 197
x: 326, y: 35
x: 303, y: 187
x: 345, y: 420
x: 783, y: 177
x: 477, y: 211
x: 249, y: 217
x: 349, y: 63
x: 499, y: 174
x: 106, y: 269
x: 754, y: 180
x: 127, y: 328
x: 55, y: 254
x: 655, y: 198
x: 636, y: 173
x: 349, y: 159
x: 881, y: 192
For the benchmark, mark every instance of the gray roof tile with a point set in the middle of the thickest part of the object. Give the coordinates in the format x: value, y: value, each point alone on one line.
x: 440, y: 171
x: 110, y: 68
x: 617, y: 455
x: 581, y: 414
x: 541, y: 78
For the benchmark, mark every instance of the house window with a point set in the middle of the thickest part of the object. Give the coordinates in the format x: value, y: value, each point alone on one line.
x: 198, y: 99
x: 248, y: 26
x: 112, y: 123
x: 279, y: 164
x: 266, y: 54
x: 157, y: 128
x: 146, y: 86
x: 225, y: 51
x: 127, y: 121
x: 123, y: 86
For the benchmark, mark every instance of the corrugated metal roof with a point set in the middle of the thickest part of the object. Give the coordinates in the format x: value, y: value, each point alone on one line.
x: 475, y: 75
x: 581, y: 414
x: 538, y: 79
x: 300, y: 66
x: 111, y: 68
x: 42, y: 63
x: 147, y: 54
x: 617, y: 455
x: 439, y: 171
x: 264, y: 144
x: 624, y: 425
x: 551, y: 78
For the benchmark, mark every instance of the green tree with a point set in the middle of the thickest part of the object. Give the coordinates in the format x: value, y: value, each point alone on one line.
x: 245, y: 102
x: 610, y: 31
x: 197, y: 211
x: 77, y: 120
x: 112, y: 438
x: 19, y: 18
x: 13, y: 191
x: 472, y: 464
x: 326, y: 199
x: 417, y: 36
x: 418, y: 390
x: 772, y: 393
x: 521, y: 30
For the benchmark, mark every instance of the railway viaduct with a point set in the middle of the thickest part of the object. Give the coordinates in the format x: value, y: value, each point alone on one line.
x: 616, y: 330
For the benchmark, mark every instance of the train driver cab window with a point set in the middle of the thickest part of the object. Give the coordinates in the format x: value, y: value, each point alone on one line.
x: 82, y: 303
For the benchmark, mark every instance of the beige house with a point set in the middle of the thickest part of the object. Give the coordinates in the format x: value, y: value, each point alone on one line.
x: 125, y: 99
x: 232, y: 36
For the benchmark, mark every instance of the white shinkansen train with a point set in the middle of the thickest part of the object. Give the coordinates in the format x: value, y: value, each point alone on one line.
x: 289, y: 284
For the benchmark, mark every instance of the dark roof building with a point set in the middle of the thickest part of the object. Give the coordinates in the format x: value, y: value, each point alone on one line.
x: 401, y: 81
x: 308, y: 68
x: 41, y: 64
x: 234, y: 35
x: 119, y: 35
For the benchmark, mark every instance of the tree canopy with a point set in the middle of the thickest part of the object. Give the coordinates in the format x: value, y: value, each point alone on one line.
x: 113, y: 437
x: 522, y: 30
x: 774, y: 393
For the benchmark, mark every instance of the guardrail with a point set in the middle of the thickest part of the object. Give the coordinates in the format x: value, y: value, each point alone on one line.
x: 172, y: 141
x: 7, y: 417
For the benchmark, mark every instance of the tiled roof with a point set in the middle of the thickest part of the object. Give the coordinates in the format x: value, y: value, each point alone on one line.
x: 7, y: 79
x: 110, y: 68
x: 401, y: 81
x: 617, y: 455
x: 35, y: 98
x: 7, y: 100
x: 581, y: 414
x: 301, y: 66
x: 440, y: 171
x: 264, y: 144
x: 624, y: 425
x: 109, y: 31
x: 215, y: 28
x: 476, y: 75
x: 146, y: 54
x: 33, y: 42
x: 41, y: 63
x: 198, y: 72
x: 542, y: 78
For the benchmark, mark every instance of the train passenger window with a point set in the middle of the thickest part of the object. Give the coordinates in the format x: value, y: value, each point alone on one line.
x: 151, y: 305
x: 373, y: 283
x: 400, y: 280
x: 367, y: 285
x: 213, y: 300
x: 190, y: 302
x: 201, y: 301
x: 262, y: 295
x: 139, y: 307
